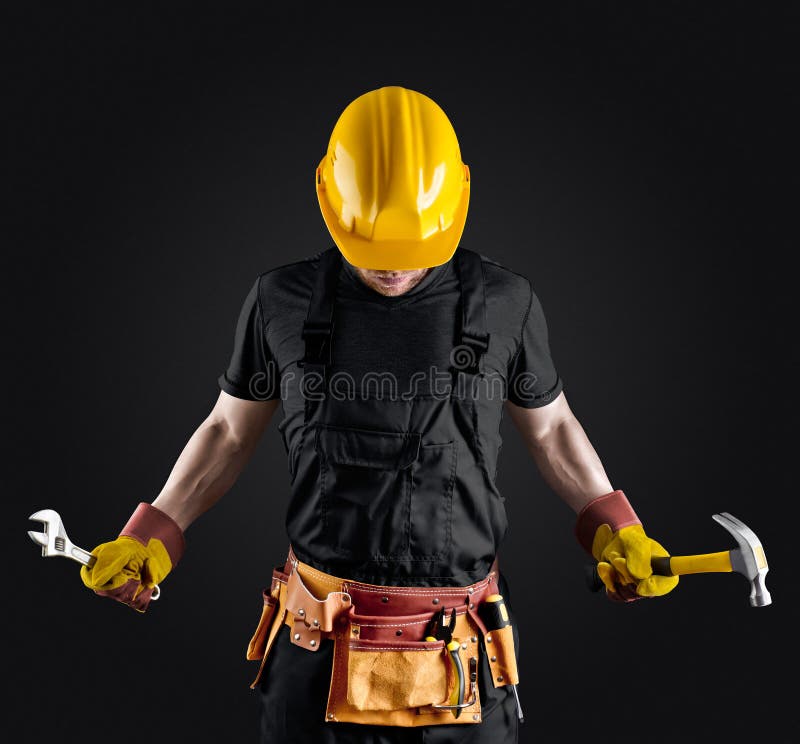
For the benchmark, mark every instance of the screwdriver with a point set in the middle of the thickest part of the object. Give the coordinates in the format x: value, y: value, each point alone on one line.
x: 494, y: 614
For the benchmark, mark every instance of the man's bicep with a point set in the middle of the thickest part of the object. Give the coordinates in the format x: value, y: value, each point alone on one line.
x: 245, y: 419
x: 534, y: 423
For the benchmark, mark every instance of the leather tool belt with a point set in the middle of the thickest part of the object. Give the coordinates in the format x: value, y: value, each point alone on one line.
x: 384, y: 672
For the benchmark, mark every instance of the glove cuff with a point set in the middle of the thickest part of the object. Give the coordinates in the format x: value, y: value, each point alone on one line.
x: 612, y: 509
x: 148, y: 521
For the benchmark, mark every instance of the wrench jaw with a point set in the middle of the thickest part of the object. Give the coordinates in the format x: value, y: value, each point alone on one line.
x: 41, y: 539
x: 54, y: 540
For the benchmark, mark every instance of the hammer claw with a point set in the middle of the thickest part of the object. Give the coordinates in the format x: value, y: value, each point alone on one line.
x: 739, y: 528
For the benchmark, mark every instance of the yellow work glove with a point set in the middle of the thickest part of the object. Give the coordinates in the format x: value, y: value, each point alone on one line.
x: 129, y: 568
x: 609, y: 530
x: 624, y: 562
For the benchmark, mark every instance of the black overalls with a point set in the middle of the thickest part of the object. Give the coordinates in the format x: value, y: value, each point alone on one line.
x: 389, y: 490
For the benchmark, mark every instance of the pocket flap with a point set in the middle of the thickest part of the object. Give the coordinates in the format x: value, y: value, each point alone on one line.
x: 383, y: 450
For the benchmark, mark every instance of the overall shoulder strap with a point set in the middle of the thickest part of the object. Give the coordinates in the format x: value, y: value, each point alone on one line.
x: 318, y: 325
x: 474, y: 337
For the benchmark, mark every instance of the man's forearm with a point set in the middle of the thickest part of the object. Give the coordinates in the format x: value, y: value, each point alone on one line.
x: 207, y: 467
x: 570, y: 465
x: 213, y: 458
x: 562, y: 451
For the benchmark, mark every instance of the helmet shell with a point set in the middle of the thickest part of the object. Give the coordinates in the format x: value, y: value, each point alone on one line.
x: 392, y: 187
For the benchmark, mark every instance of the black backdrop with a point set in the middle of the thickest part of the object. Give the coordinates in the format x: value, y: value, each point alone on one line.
x: 633, y: 159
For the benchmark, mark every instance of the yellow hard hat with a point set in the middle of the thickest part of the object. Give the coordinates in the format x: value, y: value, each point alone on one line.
x: 392, y: 187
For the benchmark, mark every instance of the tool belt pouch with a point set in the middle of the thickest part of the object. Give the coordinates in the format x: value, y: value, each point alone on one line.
x: 500, y: 650
x: 502, y: 657
x: 272, y: 616
x: 385, y: 673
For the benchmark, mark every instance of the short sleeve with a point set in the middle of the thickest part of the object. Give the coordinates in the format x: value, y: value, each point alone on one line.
x: 251, y: 372
x: 532, y: 377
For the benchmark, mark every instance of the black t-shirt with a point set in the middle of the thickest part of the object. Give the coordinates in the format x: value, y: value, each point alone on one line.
x: 387, y: 345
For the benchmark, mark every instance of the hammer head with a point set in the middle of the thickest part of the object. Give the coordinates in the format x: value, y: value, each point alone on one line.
x: 54, y: 540
x: 748, y: 559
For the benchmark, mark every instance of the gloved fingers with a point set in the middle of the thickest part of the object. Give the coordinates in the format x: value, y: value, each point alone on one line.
x: 124, y: 593
x: 615, y: 591
x: 657, y: 550
x: 111, y: 569
x: 624, y: 593
x: 637, y: 555
x: 602, y: 537
x: 656, y: 586
x: 608, y: 576
x: 621, y: 567
x: 632, y: 544
x: 129, y: 571
x: 133, y: 593
x: 142, y: 599
x: 153, y: 572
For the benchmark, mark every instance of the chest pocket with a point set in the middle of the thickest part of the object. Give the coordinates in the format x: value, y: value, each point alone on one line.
x: 371, y: 484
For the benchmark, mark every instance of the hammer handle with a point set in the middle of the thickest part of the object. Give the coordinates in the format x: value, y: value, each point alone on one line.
x: 677, y: 565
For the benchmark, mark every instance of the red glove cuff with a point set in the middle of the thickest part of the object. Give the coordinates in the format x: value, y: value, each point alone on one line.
x: 612, y: 509
x: 148, y: 521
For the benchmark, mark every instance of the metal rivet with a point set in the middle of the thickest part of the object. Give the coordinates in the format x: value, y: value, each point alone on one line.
x: 312, y: 642
x: 398, y: 632
x: 384, y: 599
x: 436, y: 600
x: 474, y: 639
x: 471, y: 606
x: 488, y: 639
x: 301, y: 612
x: 500, y: 678
x: 474, y: 716
x: 494, y: 658
x: 355, y: 631
x: 316, y: 622
x: 345, y: 598
x: 330, y: 715
x: 463, y: 645
x: 470, y: 590
x: 297, y: 636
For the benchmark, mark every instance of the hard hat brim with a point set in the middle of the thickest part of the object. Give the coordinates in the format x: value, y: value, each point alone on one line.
x: 398, y: 255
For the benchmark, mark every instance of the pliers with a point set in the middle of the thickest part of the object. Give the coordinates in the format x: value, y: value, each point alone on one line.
x: 441, y: 631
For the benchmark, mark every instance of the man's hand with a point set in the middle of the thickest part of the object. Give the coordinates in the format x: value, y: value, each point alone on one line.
x: 607, y: 527
x: 128, y: 569
x: 624, y: 563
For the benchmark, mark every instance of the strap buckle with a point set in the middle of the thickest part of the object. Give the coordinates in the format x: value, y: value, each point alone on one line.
x: 477, y: 340
x: 467, y: 358
x: 317, y: 337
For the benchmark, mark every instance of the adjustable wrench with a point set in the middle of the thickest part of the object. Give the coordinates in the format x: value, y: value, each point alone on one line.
x: 54, y: 541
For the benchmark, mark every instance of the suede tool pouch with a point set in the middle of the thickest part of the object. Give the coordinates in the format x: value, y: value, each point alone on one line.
x: 404, y: 675
x: 272, y: 616
x: 385, y: 673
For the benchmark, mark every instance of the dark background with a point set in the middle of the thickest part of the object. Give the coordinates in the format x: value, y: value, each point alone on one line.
x: 634, y: 160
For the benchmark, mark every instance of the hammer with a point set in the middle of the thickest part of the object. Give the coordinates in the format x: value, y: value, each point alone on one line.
x: 748, y: 559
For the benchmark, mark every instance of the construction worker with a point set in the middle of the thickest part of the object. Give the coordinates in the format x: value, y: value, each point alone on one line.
x: 394, y: 354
